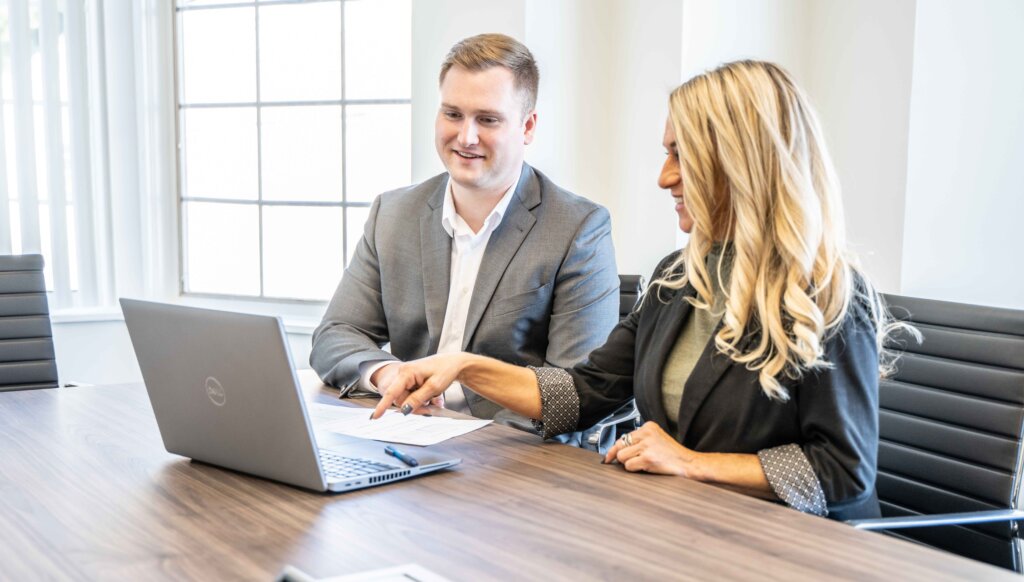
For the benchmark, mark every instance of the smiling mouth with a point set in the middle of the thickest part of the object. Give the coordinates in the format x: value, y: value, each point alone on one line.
x: 467, y: 156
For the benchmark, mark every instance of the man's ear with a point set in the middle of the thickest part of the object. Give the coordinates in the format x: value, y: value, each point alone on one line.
x: 529, y: 126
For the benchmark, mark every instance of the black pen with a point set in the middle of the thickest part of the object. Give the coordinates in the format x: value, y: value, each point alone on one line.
x: 401, y: 456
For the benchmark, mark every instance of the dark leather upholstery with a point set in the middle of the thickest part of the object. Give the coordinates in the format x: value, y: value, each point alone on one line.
x: 630, y: 289
x: 26, y: 341
x: 950, y: 424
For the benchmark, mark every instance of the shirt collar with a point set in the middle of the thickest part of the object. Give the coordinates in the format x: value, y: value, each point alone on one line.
x: 452, y: 222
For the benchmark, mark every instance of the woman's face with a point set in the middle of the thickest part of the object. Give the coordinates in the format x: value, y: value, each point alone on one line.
x: 671, y: 179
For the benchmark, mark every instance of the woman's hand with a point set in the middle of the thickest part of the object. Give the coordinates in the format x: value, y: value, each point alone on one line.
x: 415, y: 384
x: 650, y: 449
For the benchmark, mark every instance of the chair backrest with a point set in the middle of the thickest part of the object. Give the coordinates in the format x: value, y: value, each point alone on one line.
x: 950, y: 424
x: 630, y: 289
x: 26, y: 341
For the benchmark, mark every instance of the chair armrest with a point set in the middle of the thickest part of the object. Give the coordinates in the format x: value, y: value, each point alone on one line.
x: 939, y: 519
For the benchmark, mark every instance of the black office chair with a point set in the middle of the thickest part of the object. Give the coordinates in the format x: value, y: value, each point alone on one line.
x: 951, y: 422
x: 631, y: 287
x: 26, y: 341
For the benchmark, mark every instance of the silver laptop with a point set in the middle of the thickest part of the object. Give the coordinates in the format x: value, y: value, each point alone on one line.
x: 224, y: 392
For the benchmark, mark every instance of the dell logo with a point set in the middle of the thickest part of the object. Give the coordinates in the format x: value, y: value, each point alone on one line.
x: 215, y: 391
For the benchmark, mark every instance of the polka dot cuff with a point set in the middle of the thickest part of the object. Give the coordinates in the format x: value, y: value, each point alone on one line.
x: 559, y: 402
x: 792, y: 478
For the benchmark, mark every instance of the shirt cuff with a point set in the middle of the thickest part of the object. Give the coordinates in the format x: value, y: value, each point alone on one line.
x: 559, y: 402
x: 366, y: 370
x: 792, y: 478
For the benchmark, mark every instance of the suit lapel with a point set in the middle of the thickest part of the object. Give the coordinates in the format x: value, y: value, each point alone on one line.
x: 501, y: 247
x: 436, y: 265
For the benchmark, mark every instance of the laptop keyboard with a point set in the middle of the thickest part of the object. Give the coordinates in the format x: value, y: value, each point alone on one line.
x: 339, y: 467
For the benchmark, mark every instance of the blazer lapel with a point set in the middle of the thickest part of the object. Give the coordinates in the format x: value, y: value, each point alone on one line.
x: 666, y: 330
x: 502, y: 246
x: 706, y: 373
x: 436, y: 265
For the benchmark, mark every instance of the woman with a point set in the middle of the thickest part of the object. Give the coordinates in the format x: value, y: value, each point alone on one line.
x: 754, y: 354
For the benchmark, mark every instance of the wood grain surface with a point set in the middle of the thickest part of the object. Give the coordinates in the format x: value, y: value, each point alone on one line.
x: 87, y: 492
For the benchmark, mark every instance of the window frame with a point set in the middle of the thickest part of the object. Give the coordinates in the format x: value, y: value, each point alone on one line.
x: 300, y: 307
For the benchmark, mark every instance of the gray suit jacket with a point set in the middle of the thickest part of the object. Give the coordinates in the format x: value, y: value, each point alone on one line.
x: 546, y: 294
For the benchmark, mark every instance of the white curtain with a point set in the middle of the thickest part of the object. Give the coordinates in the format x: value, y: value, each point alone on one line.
x: 86, y: 149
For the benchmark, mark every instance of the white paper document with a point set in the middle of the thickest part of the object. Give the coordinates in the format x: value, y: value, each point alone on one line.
x: 392, y: 427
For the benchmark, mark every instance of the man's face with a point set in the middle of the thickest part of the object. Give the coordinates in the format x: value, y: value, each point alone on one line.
x: 481, y: 132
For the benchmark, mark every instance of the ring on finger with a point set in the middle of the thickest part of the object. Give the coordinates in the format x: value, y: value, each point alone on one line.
x: 627, y: 439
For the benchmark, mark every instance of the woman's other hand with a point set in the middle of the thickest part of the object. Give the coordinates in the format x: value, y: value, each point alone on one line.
x: 652, y: 450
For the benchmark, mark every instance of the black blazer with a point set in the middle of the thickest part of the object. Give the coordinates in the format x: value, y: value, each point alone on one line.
x: 832, y: 414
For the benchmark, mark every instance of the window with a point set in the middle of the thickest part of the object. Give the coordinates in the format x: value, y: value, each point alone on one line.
x: 40, y: 175
x: 292, y: 116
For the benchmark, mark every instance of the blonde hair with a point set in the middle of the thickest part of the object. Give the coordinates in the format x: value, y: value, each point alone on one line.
x: 756, y: 174
x: 483, y: 51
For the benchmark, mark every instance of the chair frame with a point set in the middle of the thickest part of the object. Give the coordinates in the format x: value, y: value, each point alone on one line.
x: 963, y: 518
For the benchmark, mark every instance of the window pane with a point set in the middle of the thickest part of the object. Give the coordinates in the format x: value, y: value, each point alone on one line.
x: 34, y: 48
x: 220, y: 153
x: 378, y: 150
x: 222, y: 254
x: 302, y: 153
x: 9, y: 148
x: 72, y: 246
x: 42, y: 160
x: 354, y: 229
x: 15, y: 227
x: 302, y: 251
x: 46, y: 246
x: 219, y: 55
x: 69, y: 169
x: 378, y: 49
x: 300, y: 52
x: 6, y: 83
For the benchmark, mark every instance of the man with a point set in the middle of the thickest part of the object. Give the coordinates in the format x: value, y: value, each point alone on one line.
x: 490, y: 257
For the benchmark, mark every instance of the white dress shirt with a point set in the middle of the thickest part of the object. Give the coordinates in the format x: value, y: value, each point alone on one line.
x: 467, y: 254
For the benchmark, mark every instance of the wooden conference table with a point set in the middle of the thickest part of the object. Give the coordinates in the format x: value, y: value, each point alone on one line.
x: 87, y: 492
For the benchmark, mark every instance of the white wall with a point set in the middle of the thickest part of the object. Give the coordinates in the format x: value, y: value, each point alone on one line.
x: 570, y: 40
x: 858, y: 68
x: 646, y: 61
x: 436, y: 26
x: 727, y: 30
x: 963, y: 238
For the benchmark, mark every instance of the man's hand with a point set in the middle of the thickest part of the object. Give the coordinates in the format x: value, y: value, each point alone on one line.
x: 418, y: 383
x: 383, y: 377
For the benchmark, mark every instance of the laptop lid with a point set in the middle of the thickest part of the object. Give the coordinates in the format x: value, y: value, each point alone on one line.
x: 224, y: 391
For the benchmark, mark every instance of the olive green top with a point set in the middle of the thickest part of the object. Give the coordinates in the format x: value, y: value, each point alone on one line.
x: 694, y: 336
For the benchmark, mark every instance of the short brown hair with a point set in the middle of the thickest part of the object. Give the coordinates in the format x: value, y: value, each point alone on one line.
x: 483, y: 51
